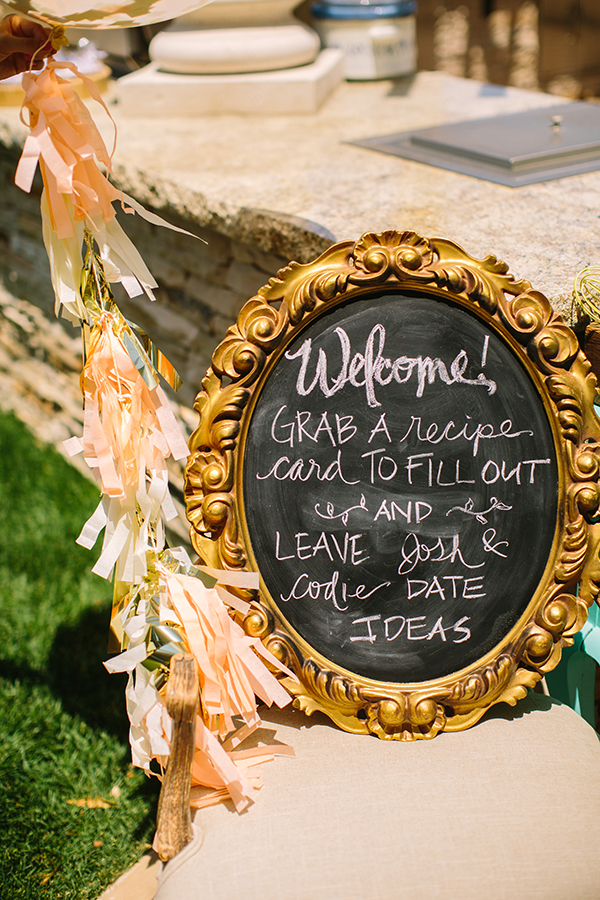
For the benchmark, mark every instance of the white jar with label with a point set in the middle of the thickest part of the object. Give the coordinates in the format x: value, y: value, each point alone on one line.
x: 378, y: 39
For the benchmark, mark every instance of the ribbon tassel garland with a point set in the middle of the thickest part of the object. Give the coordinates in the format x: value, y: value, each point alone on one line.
x: 163, y: 603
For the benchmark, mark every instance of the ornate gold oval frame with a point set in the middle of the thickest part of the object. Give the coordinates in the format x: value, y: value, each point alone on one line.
x: 549, y: 351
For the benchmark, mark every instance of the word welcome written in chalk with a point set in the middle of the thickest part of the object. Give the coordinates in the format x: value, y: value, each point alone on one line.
x: 375, y: 368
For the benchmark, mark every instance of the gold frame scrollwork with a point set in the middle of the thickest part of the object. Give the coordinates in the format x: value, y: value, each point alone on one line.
x: 549, y: 351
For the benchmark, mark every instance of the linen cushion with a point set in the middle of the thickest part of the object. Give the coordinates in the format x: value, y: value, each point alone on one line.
x: 509, y: 808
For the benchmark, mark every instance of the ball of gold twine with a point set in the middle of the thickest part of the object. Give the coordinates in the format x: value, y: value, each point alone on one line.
x: 587, y: 291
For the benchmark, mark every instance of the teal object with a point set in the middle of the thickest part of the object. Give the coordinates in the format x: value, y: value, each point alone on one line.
x: 574, y: 680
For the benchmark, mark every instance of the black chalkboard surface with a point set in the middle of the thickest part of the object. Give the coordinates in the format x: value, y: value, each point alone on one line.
x: 400, y: 486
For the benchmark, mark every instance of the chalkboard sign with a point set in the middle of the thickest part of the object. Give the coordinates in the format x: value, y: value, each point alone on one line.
x: 401, y: 441
x: 402, y: 515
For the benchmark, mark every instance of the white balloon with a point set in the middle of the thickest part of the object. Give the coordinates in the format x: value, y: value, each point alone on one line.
x: 101, y: 13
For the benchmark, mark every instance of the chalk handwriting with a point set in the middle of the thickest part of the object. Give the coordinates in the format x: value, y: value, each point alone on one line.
x: 470, y: 431
x: 413, y: 552
x: 300, y: 428
x: 420, y: 508
x: 414, y: 628
x: 371, y: 368
x: 333, y: 590
x: 484, y: 352
x: 491, y: 472
x: 489, y: 547
x: 345, y: 550
x: 466, y: 588
x: 284, y: 469
x: 422, y: 466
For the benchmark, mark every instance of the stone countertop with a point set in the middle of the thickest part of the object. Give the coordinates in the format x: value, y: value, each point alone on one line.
x: 291, y: 185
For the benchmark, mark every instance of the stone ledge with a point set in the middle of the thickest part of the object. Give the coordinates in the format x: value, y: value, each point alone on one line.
x: 290, y: 185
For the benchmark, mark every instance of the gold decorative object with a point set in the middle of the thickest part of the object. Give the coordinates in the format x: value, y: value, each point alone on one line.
x: 548, y: 352
x: 587, y: 291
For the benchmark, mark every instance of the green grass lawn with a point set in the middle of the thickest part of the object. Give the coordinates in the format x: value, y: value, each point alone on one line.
x: 73, y: 813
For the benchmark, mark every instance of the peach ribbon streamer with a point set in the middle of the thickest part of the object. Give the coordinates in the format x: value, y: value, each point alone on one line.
x: 128, y: 433
x: 66, y: 143
x: 226, y: 772
x: 230, y: 675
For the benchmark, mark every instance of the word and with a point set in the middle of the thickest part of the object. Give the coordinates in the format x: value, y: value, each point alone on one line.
x: 421, y: 511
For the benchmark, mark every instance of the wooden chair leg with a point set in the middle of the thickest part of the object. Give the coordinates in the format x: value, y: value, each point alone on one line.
x: 174, y: 825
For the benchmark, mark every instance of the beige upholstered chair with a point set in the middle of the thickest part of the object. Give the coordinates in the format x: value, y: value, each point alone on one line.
x: 507, y: 809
